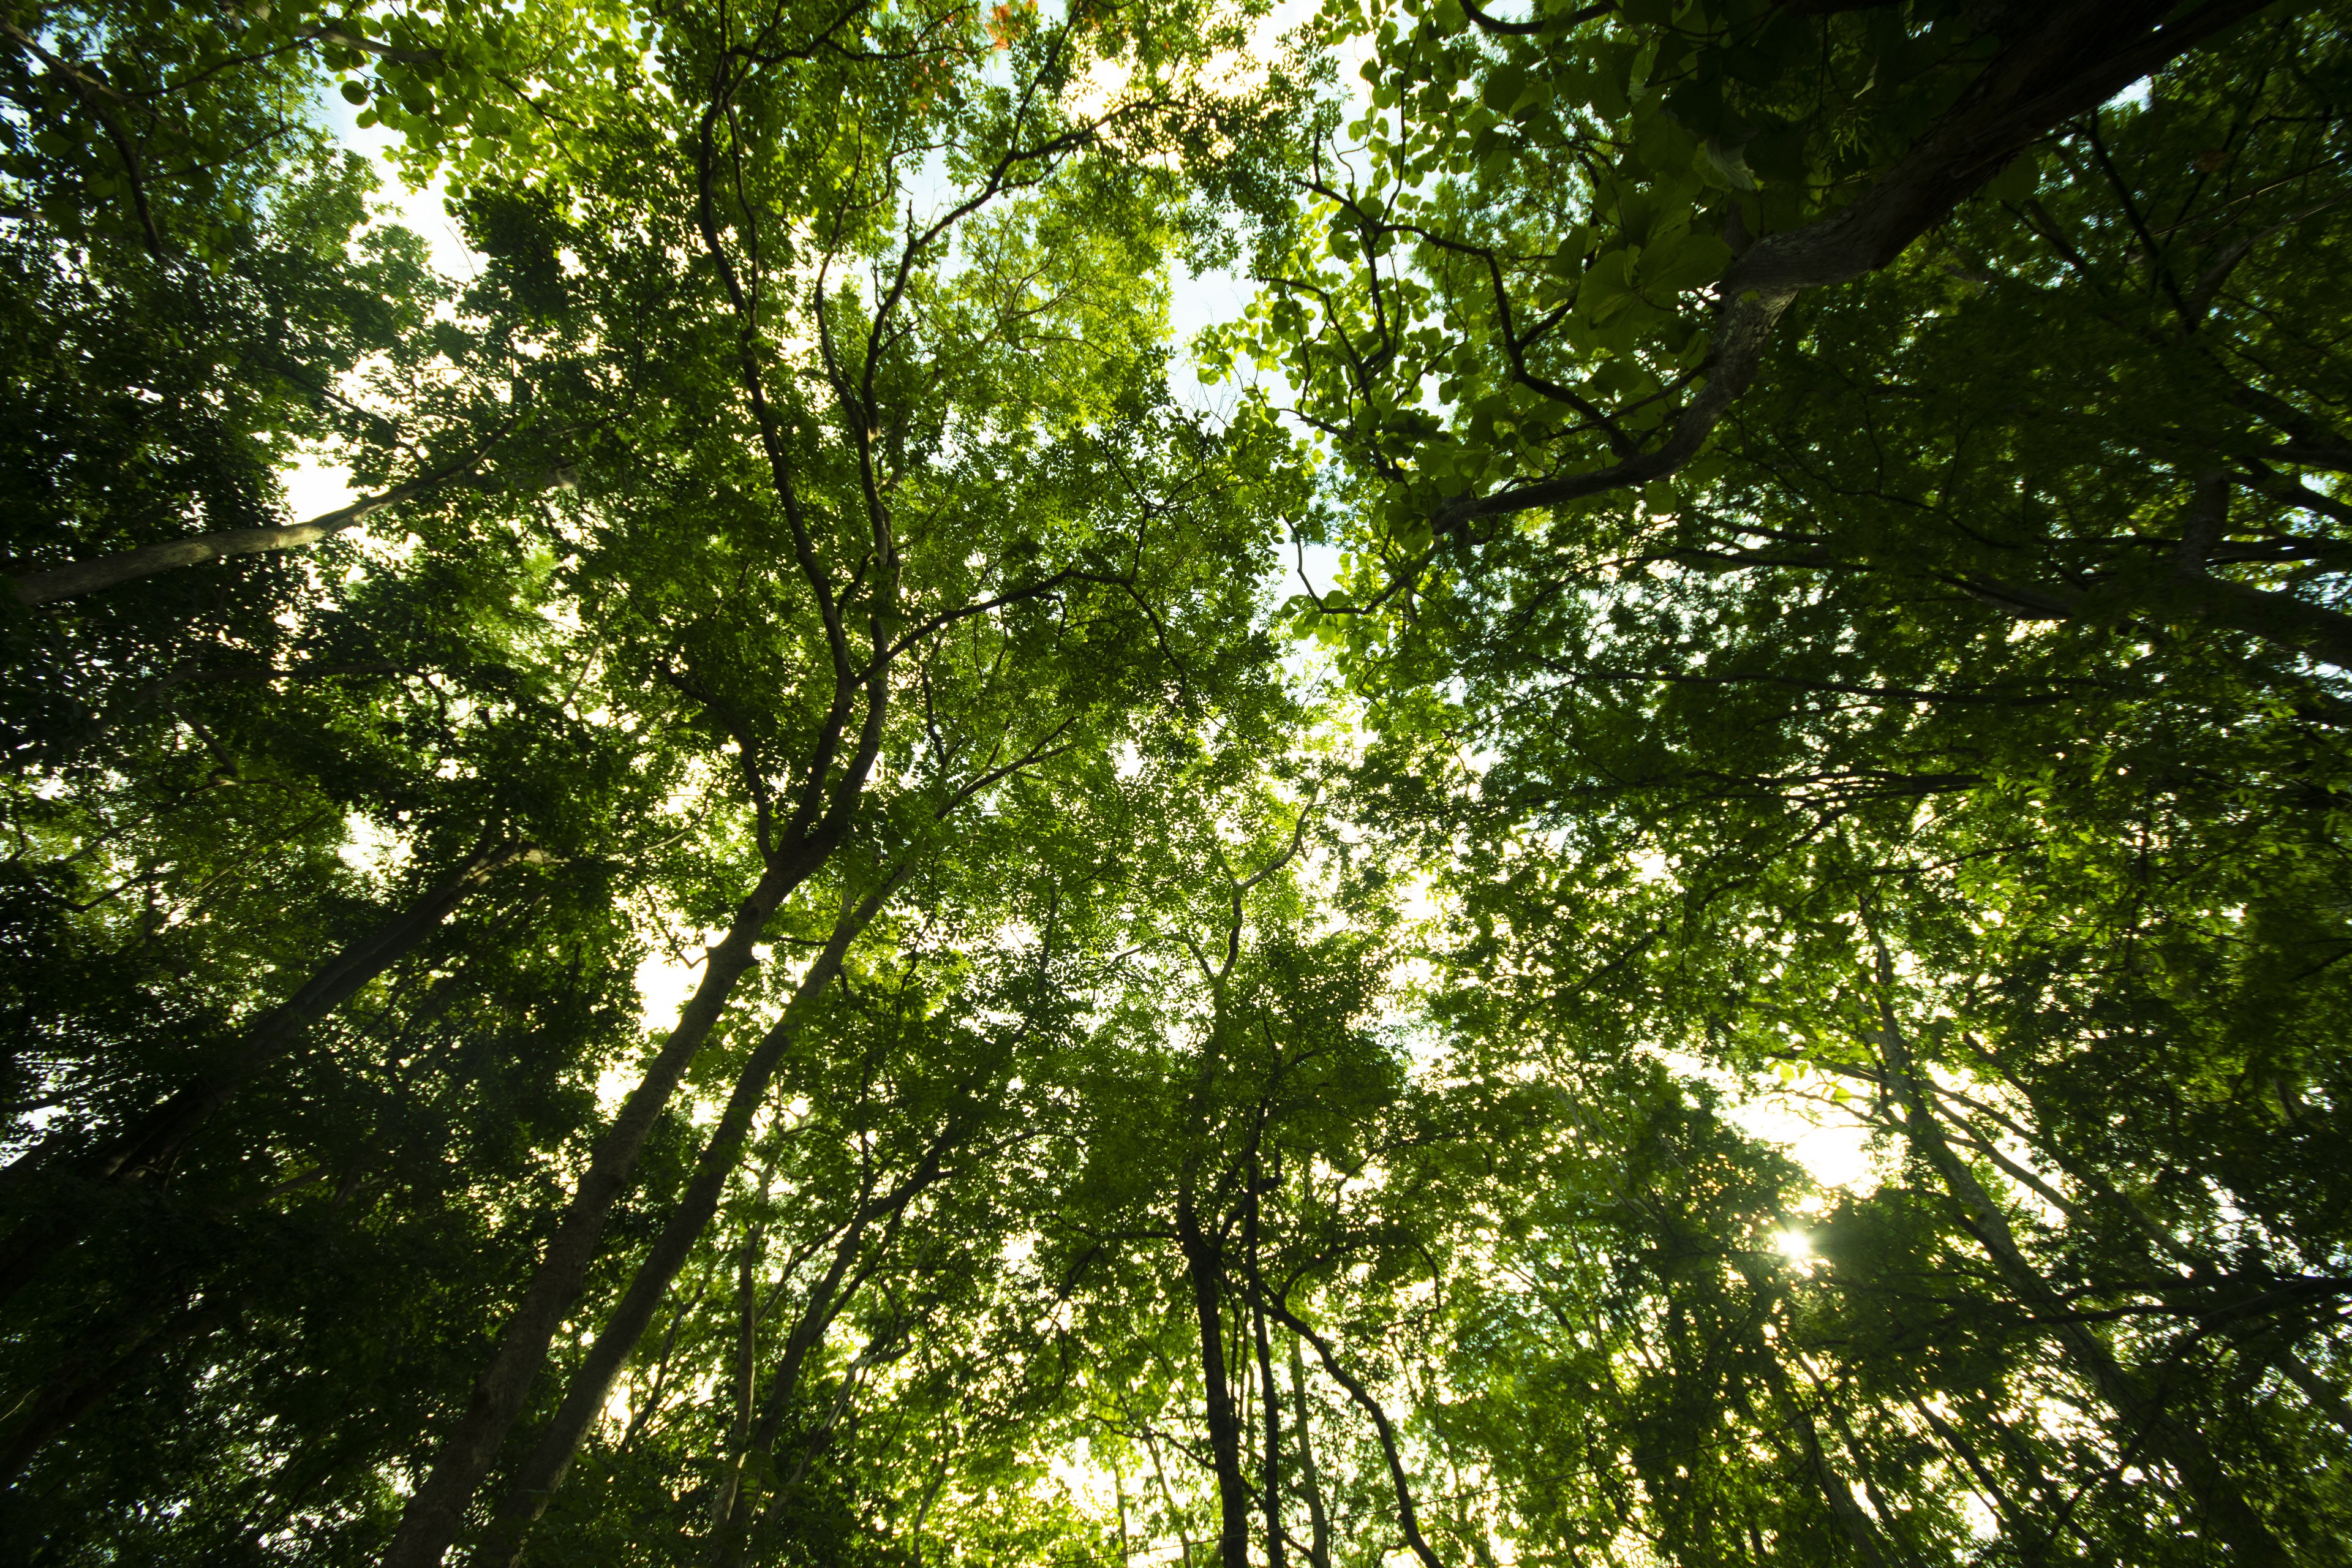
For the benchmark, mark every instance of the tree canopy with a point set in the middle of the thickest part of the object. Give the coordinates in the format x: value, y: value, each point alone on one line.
x: 1650, y: 869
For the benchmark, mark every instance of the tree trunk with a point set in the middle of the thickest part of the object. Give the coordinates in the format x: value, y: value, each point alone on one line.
x: 1119, y: 1497
x: 1167, y: 1496
x: 2142, y: 1413
x: 2033, y: 1545
x: 1318, y: 1522
x: 150, y: 1152
x: 736, y: 1527
x: 2267, y: 614
x: 592, y: 1384
x: 1407, y: 1517
x: 430, y: 1522
x: 808, y: 1330
x: 750, y: 1311
x: 1204, y: 1271
x: 759, y: 1545
x: 1852, y: 1520
x: 1270, y: 1399
x: 2323, y: 1397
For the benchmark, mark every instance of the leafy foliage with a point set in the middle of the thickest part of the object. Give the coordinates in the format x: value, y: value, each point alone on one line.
x: 772, y: 951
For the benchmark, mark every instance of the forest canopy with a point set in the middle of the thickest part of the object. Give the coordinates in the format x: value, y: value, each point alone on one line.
x: 867, y: 908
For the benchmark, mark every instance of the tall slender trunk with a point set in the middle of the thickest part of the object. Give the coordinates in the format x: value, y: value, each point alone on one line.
x: 2141, y: 1411
x: 543, y: 1471
x: 1408, y: 1516
x: 1204, y: 1271
x: 1881, y: 1509
x: 1118, y: 1496
x: 759, y: 1543
x: 2322, y: 1397
x: 1828, y: 1479
x: 735, y: 1529
x: 2055, y: 1501
x: 430, y: 1522
x: 1318, y: 1522
x: 1167, y: 1496
x: 749, y: 1312
x: 1269, y: 1399
x: 758, y: 1431
x: 923, y: 1510
x: 1834, y: 1489
x: 2033, y: 1543
x: 148, y: 1150
x: 642, y: 1411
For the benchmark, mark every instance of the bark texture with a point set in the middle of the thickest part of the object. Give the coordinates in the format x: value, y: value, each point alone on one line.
x: 1204, y: 1273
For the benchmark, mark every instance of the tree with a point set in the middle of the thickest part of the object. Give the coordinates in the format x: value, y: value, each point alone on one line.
x: 1837, y: 620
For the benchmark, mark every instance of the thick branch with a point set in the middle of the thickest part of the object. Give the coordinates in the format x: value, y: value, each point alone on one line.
x: 96, y: 97
x: 110, y: 571
x: 2077, y: 57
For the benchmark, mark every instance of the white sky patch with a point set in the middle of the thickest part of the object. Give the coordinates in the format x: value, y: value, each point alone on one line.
x: 314, y: 487
x: 612, y: 1086
x: 372, y: 850
x: 1197, y: 301
x: 1201, y: 299
x: 424, y: 212
x: 663, y: 985
x: 1313, y: 567
x: 1832, y: 1146
x: 1833, y: 1149
x: 1090, y: 1485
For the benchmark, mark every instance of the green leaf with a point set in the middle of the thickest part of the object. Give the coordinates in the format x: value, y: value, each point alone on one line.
x: 1726, y: 162
x: 1685, y: 261
x: 2016, y: 182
